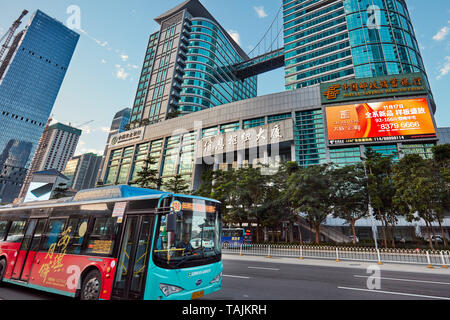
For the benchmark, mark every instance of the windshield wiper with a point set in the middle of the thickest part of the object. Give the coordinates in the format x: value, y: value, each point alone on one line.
x: 186, y: 258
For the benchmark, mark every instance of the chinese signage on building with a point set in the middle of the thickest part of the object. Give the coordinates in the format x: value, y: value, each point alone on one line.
x: 369, y: 88
x: 127, y: 137
x: 380, y: 122
x: 252, y: 137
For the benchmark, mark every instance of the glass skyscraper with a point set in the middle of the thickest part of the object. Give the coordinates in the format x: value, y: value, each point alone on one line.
x: 209, y: 80
x: 187, y: 67
x: 330, y: 40
x: 30, y: 78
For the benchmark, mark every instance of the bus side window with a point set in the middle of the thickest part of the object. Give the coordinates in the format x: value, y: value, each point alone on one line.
x: 102, y: 237
x: 16, y: 231
x: 53, y: 232
x: 78, y: 227
x: 3, y: 226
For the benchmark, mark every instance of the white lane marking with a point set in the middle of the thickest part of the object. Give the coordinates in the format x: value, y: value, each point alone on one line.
x: 231, y: 276
x: 395, y: 293
x: 273, y: 269
x: 408, y: 280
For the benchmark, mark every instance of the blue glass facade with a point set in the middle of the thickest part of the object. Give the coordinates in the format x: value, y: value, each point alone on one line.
x: 209, y: 80
x: 331, y: 40
x: 382, y: 38
x: 144, y: 80
x: 39, y: 58
x: 317, y: 44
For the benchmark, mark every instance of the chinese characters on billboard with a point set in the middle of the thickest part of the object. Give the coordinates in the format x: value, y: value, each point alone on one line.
x: 372, y: 88
x: 380, y: 122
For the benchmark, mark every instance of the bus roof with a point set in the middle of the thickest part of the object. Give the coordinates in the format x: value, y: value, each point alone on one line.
x: 107, y: 194
x: 111, y: 193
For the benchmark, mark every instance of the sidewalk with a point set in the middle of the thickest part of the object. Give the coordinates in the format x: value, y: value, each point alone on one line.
x: 342, y: 264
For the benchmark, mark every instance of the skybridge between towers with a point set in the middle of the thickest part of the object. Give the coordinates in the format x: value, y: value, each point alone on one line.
x: 263, y: 63
x: 268, y: 53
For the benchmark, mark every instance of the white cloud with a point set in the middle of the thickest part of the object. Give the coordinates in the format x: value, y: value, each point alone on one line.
x: 104, y: 44
x: 445, y: 69
x: 120, y: 73
x: 260, y: 11
x: 132, y: 66
x: 442, y: 34
x: 105, y: 129
x: 235, y: 35
x: 103, y: 61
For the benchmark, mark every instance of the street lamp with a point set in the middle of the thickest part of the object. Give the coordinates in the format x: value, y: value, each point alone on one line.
x: 372, y: 219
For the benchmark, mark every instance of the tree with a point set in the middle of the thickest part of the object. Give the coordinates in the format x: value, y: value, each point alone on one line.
x: 310, y: 191
x: 148, y: 176
x: 415, y: 194
x: 441, y: 174
x: 177, y: 185
x: 349, y: 194
x: 251, y: 193
x: 60, y: 191
x: 281, y: 198
x: 381, y: 190
x: 221, y: 185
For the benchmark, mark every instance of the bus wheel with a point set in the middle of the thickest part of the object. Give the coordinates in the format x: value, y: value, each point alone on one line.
x: 2, y: 269
x: 92, y: 284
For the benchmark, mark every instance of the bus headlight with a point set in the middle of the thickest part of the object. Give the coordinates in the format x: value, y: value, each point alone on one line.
x: 217, y: 278
x: 168, y: 289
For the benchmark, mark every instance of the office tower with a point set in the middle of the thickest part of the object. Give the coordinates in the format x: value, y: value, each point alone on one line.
x: 82, y: 171
x: 31, y: 76
x: 57, y: 146
x: 188, y: 67
x: 120, y: 121
x: 341, y: 39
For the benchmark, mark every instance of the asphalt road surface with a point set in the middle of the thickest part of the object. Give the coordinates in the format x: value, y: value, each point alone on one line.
x: 276, y: 279
x: 271, y: 280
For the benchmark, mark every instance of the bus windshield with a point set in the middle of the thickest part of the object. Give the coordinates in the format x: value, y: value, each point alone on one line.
x: 196, y: 240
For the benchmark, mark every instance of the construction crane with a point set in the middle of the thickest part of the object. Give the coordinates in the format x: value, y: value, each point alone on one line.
x: 10, y: 33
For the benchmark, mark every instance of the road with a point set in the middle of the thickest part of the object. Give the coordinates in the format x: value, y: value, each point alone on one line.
x: 259, y: 278
x: 269, y: 279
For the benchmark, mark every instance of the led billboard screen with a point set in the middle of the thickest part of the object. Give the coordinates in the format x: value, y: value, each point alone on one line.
x: 388, y: 121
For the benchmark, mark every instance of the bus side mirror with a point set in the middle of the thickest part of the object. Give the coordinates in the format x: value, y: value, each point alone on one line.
x: 171, y: 222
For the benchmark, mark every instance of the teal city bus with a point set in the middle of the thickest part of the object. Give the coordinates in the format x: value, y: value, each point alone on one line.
x: 117, y: 242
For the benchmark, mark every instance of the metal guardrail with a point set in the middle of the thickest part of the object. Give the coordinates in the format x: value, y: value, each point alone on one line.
x: 380, y: 256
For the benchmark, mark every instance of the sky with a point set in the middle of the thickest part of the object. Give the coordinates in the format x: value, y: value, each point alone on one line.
x: 103, y: 75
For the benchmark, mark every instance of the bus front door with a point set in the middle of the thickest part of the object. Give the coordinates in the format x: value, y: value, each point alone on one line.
x: 129, y: 282
x: 27, y: 251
